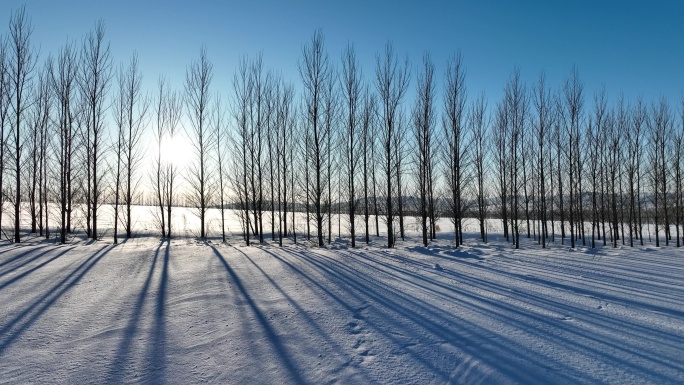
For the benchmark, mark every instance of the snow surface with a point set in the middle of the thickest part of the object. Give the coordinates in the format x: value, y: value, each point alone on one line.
x: 186, y: 312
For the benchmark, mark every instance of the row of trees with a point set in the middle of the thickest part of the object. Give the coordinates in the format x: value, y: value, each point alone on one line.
x: 56, y: 132
x: 607, y: 171
x: 72, y: 135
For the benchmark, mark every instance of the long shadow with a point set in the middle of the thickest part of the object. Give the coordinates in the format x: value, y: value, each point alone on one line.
x: 409, y: 313
x: 637, y: 332
x: 347, y: 306
x: 363, y: 289
x: 118, y: 370
x: 363, y: 292
x: 26, y: 257
x: 576, y: 333
x: 313, y: 325
x: 620, y: 273
x: 280, y: 349
x: 8, y: 248
x: 19, y: 324
x: 442, y: 252
x: 589, y: 292
x: 157, y: 349
x: 31, y: 270
x: 614, y: 282
x: 400, y: 306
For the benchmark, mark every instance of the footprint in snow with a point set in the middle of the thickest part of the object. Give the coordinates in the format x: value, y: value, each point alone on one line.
x: 359, y: 310
x: 354, y: 328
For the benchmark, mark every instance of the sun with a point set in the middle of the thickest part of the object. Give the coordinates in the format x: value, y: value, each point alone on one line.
x: 176, y: 150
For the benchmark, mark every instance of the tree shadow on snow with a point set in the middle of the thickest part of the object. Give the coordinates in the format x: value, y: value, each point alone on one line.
x: 284, y: 356
x: 37, y: 256
x: 447, y: 252
x: 156, y: 355
x: 368, y: 277
x: 28, y: 255
x: 316, y: 334
x: 21, y: 322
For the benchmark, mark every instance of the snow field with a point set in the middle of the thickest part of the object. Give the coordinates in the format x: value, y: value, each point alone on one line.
x: 183, y: 312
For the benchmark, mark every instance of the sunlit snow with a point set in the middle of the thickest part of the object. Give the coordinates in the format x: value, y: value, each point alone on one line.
x: 190, y: 311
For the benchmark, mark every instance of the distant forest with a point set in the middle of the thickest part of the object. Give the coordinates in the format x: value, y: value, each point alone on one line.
x: 554, y: 164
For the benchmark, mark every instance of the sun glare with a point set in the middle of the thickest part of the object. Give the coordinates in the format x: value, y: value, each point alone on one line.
x: 176, y: 150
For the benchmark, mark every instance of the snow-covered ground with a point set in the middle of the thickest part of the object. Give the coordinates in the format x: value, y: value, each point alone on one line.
x: 202, y: 312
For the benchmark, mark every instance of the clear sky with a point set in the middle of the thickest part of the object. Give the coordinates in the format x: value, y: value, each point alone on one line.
x: 635, y: 47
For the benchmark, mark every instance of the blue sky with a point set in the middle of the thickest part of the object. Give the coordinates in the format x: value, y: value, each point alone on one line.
x: 632, y: 47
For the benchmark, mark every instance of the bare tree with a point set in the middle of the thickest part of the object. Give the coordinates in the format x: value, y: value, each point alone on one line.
x: 32, y: 150
x: 392, y: 79
x: 220, y: 137
x: 633, y: 134
x: 40, y: 120
x: 479, y: 132
x: 45, y: 144
x: 254, y: 109
x: 544, y: 107
x: 315, y: 73
x: 613, y: 172
x: 271, y: 115
x: 595, y: 141
x: 331, y: 112
x: 664, y: 118
x: 374, y: 154
x: 242, y: 86
x: 550, y: 151
x: 368, y: 162
x: 63, y: 80
x: 602, y: 120
x: 135, y: 113
x: 5, y: 98
x: 677, y: 154
x: 197, y: 81
x: 351, y: 91
x: 581, y: 160
x: 502, y: 160
x: 660, y: 127
x: 295, y: 173
x: 258, y: 130
x: 286, y: 121
x: 639, y: 119
x: 22, y: 63
x: 454, y: 134
x: 423, y: 131
x: 623, y: 123
x: 157, y: 175
x: 172, y: 109
x: 572, y: 92
x: 168, y: 109
x: 306, y: 133
x: 399, y: 146
x: 559, y: 153
x: 515, y: 101
x: 526, y: 164
x: 119, y: 115
x: 591, y: 136
x: 81, y: 178
x: 94, y: 83
x: 277, y: 129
